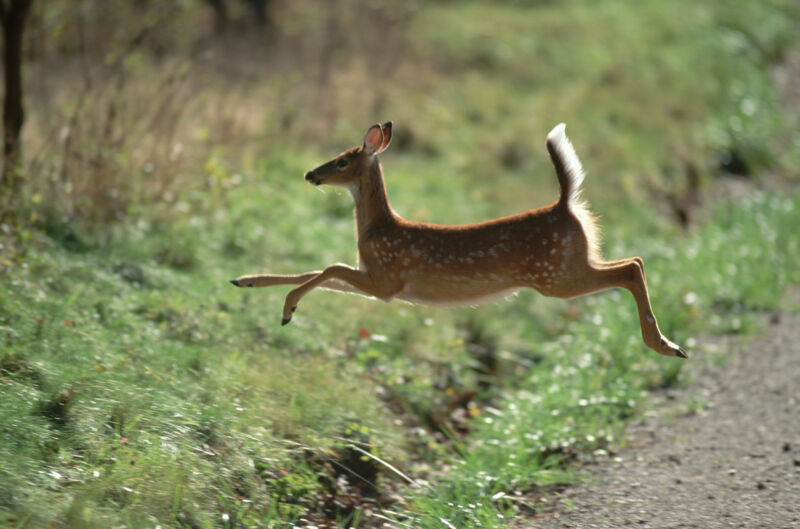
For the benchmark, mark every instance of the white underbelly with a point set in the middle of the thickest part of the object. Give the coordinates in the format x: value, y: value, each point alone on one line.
x: 444, y: 295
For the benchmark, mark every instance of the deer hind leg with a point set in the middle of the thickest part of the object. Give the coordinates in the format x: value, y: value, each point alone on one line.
x: 629, y: 274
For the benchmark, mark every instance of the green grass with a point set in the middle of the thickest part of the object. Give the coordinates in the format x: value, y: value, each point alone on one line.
x: 646, y: 88
x: 590, y: 380
x: 593, y: 378
x: 134, y: 392
x: 138, y: 388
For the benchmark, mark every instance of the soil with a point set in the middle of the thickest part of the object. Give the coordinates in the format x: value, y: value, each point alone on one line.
x: 723, y: 451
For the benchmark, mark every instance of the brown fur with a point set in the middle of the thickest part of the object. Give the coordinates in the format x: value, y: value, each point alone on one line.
x: 554, y: 249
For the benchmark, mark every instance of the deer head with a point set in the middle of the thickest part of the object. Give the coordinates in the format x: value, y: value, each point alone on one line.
x: 352, y: 167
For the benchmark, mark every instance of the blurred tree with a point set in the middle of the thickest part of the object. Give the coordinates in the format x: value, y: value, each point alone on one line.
x: 258, y: 13
x: 12, y: 15
x: 220, y: 14
x: 258, y: 9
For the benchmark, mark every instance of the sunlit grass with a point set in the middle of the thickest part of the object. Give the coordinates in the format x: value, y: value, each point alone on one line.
x: 598, y: 374
x: 124, y: 389
x: 138, y: 387
x: 666, y: 85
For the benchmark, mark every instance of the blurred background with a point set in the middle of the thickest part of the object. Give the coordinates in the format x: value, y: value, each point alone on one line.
x: 155, y: 149
x: 129, y: 101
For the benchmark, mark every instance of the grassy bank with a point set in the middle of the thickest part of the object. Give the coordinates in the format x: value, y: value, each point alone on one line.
x: 136, y: 391
x: 138, y: 388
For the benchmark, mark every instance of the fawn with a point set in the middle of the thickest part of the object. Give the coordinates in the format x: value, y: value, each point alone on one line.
x: 554, y: 249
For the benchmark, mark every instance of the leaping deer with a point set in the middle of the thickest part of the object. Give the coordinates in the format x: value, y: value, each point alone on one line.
x: 554, y: 249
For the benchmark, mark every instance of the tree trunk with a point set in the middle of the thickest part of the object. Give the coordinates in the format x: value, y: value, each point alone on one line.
x: 12, y: 15
x: 258, y: 8
x: 220, y: 15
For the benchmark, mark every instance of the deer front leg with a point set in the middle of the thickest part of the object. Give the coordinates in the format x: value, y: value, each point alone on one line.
x: 339, y: 276
x: 268, y: 280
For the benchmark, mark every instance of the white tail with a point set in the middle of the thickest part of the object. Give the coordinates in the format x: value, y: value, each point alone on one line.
x: 568, y: 167
x: 570, y: 177
x: 554, y: 249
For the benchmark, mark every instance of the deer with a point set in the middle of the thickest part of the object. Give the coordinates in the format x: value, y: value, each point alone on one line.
x: 554, y: 249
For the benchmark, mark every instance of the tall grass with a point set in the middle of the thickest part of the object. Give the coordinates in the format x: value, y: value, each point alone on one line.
x: 473, y: 86
x: 134, y: 390
x: 138, y: 388
x: 592, y: 378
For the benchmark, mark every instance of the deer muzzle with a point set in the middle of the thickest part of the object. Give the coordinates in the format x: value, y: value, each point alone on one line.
x: 313, y: 177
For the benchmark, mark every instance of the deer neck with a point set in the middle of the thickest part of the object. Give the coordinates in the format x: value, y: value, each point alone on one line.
x: 372, y: 205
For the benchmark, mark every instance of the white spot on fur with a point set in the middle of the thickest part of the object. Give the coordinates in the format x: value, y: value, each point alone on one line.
x: 353, y: 188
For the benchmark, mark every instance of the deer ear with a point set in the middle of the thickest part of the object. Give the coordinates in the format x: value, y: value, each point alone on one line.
x: 387, y: 135
x: 373, y: 140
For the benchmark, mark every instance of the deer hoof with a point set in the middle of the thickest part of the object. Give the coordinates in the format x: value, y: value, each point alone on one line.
x: 235, y: 282
x: 672, y: 349
x: 284, y: 321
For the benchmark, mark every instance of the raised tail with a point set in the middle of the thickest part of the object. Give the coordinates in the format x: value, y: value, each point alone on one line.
x: 568, y: 166
x: 570, y: 176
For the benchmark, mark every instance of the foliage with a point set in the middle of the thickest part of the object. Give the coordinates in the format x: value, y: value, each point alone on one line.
x: 117, y: 122
x: 127, y: 384
x: 138, y: 388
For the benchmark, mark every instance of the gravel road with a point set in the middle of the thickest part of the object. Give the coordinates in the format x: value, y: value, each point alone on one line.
x: 722, y: 452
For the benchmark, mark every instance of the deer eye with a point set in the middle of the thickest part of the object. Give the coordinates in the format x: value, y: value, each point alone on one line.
x: 341, y: 163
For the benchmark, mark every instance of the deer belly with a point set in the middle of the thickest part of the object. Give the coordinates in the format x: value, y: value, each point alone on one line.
x: 454, y: 293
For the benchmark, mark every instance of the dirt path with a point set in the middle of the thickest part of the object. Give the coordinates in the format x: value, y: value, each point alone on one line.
x: 735, y: 462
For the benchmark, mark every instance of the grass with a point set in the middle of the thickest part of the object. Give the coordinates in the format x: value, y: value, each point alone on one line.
x: 138, y: 388
x: 646, y: 64
x: 593, y: 378
x: 139, y: 392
